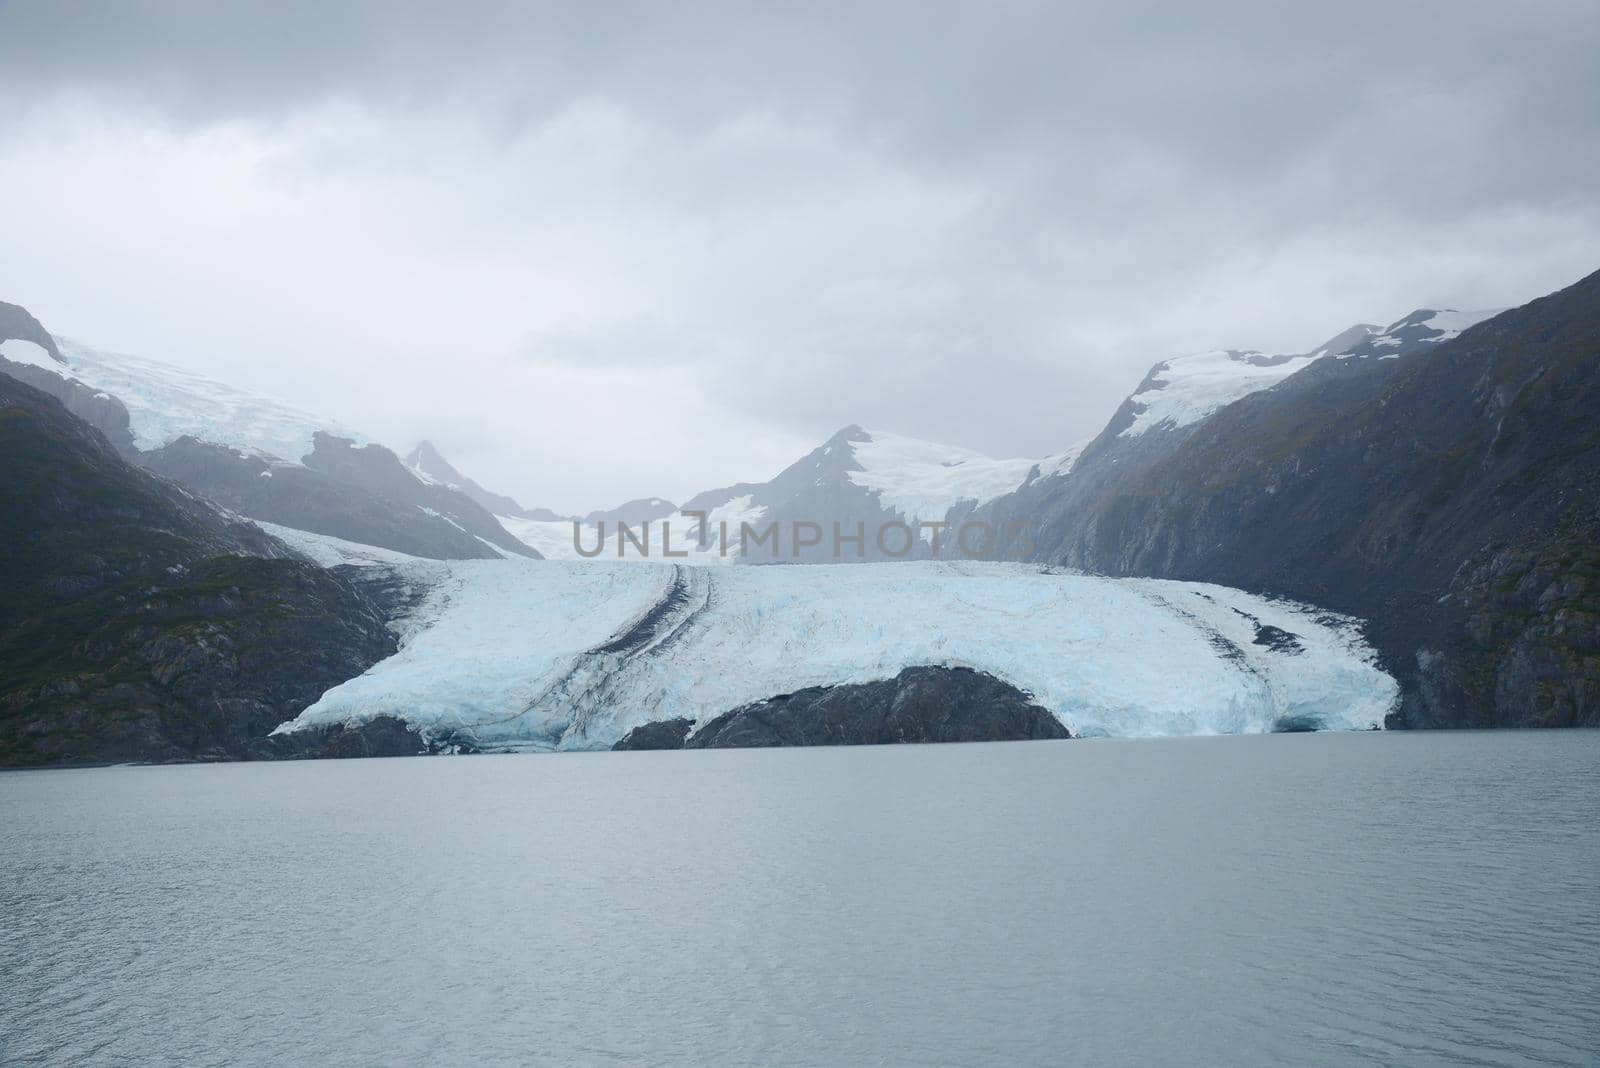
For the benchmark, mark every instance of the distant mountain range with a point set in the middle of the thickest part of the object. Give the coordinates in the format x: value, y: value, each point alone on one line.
x: 272, y: 462
x: 862, y: 479
x: 1436, y: 478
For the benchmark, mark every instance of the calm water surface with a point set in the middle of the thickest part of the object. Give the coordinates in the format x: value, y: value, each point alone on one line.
x: 1408, y: 898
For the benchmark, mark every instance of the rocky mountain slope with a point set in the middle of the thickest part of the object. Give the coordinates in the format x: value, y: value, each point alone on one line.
x: 139, y: 623
x: 429, y: 465
x: 378, y: 471
x: 305, y: 497
x: 1449, y: 496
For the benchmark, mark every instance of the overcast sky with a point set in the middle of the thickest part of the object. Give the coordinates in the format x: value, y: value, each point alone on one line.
x: 598, y: 251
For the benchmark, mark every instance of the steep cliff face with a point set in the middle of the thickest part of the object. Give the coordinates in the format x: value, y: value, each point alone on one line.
x: 378, y: 471
x: 1451, y: 497
x: 139, y: 623
x: 427, y: 464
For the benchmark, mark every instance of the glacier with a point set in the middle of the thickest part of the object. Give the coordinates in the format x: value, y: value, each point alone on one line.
x: 561, y: 655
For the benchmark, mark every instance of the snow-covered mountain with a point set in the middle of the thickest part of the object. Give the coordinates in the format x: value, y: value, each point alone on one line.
x: 166, y: 403
x: 226, y: 442
x: 572, y: 656
x: 1450, y: 495
x: 1416, y: 332
x: 1186, y: 389
x: 862, y: 480
x: 1062, y: 509
x: 256, y: 455
x: 876, y: 479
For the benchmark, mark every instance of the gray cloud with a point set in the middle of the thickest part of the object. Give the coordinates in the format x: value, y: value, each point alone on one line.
x: 965, y: 223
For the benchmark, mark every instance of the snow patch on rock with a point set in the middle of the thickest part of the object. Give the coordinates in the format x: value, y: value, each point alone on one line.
x: 31, y: 354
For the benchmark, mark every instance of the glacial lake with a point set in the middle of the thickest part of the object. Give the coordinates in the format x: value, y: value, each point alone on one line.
x: 1362, y: 898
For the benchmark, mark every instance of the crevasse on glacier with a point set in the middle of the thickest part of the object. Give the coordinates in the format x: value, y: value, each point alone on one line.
x: 571, y: 655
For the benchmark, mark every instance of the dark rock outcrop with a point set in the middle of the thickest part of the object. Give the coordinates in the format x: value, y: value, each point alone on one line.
x: 17, y: 322
x: 634, y: 512
x: 662, y: 734
x: 139, y: 623
x: 921, y: 704
x: 100, y: 410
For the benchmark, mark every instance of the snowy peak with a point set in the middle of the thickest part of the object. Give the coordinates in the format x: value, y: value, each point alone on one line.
x: 258, y: 456
x: 926, y: 480
x: 1187, y: 389
x: 859, y: 472
x: 1419, y: 330
x: 145, y: 404
x: 426, y: 463
x: 1347, y: 340
x: 166, y: 403
x: 857, y: 476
